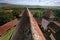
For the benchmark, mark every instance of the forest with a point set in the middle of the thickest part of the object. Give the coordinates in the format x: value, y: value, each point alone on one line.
x: 6, y: 15
x: 37, y: 13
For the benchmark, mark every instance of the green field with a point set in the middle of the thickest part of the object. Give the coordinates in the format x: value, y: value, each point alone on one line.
x: 8, y: 34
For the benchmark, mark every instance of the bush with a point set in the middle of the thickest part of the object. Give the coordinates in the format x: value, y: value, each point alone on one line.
x: 5, y: 17
x: 37, y: 13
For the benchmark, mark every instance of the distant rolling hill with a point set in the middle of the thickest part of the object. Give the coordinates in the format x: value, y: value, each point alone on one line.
x: 29, y: 6
x: 3, y: 3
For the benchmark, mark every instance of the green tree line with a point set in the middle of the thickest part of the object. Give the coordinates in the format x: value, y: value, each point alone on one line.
x: 6, y: 16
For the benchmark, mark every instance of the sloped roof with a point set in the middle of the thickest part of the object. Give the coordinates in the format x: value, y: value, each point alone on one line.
x: 45, y: 17
x: 48, y: 13
x: 57, y: 19
x: 54, y: 27
x: 57, y: 23
x: 7, y: 26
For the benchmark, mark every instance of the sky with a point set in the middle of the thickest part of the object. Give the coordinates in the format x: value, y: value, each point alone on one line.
x: 33, y: 2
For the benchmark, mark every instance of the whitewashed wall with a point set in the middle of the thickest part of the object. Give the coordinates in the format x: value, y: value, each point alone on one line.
x: 45, y: 23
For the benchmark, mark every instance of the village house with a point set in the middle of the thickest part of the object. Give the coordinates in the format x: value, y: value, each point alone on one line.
x: 54, y: 28
x: 47, y: 18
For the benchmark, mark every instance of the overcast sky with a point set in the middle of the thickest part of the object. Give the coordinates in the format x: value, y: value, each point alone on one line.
x: 33, y: 2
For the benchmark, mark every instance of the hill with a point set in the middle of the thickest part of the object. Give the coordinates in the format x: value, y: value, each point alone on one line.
x: 28, y: 6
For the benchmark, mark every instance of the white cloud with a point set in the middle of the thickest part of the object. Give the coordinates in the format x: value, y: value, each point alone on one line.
x: 50, y: 2
x: 34, y: 2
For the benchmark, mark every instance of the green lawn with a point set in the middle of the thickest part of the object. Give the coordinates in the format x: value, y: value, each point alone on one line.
x: 8, y: 34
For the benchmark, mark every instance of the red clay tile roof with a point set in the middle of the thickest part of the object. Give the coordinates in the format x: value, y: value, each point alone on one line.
x: 7, y: 26
x: 48, y: 13
x: 36, y: 27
